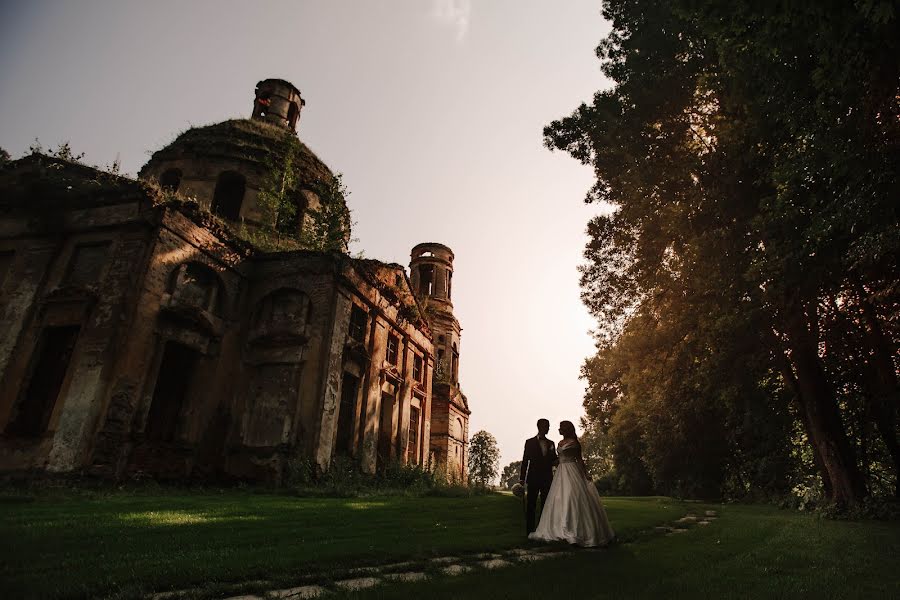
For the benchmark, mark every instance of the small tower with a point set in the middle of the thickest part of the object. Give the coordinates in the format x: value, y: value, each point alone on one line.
x: 431, y: 275
x: 278, y: 101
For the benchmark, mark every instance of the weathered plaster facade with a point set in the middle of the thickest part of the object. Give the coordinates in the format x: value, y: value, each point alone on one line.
x: 140, y: 337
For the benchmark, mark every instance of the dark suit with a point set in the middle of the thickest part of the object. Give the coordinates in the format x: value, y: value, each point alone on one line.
x: 537, y: 473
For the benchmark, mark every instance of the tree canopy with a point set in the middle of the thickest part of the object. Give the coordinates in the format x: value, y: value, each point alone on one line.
x: 484, y: 459
x: 745, y: 284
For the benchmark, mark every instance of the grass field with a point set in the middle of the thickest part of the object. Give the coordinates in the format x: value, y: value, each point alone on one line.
x: 130, y: 545
x: 749, y: 552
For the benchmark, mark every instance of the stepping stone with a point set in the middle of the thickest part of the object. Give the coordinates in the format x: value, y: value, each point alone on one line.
x: 710, y: 513
x: 677, y: 530
x: 519, y: 552
x: 397, y: 566
x: 410, y: 576
x: 702, y: 522
x: 172, y: 595
x: 360, y: 583
x: 380, y: 569
x: 495, y: 563
x: 446, y: 559
x: 663, y: 529
x: 535, y: 556
x: 298, y: 593
x: 485, y: 556
x: 687, y: 519
x: 456, y: 569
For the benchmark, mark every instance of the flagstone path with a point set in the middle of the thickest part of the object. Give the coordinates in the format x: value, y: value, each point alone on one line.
x: 367, y: 577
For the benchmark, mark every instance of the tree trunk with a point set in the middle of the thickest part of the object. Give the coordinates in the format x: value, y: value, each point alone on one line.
x: 787, y: 372
x: 881, y: 380
x: 822, y: 412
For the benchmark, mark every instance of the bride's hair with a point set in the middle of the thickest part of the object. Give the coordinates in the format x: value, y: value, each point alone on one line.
x: 568, y: 430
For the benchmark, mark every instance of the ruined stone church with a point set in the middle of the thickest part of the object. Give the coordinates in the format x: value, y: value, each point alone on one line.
x: 141, y: 334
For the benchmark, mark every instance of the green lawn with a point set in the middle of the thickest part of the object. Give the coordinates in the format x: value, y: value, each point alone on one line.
x: 750, y: 552
x: 128, y: 544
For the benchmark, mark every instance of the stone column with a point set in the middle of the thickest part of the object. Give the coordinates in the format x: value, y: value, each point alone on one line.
x: 372, y: 395
x: 405, y: 399
x: 22, y: 283
x: 97, y: 344
x: 425, y: 411
x: 333, y: 365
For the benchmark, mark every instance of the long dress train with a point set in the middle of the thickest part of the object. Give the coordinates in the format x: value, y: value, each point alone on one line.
x: 573, y: 512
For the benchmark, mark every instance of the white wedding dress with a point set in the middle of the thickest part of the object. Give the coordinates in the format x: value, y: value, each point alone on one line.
x: 573, y: 511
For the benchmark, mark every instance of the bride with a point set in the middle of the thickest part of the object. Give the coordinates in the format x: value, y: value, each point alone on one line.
x: 573, y: 512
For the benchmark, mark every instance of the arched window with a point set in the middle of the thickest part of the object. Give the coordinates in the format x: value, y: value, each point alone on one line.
x: 229, y: 195
x: 170, y: 180
x: 426, y: 280
x: 293, y: 113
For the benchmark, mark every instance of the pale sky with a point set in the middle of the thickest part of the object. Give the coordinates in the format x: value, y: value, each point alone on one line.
x: 432, y: 110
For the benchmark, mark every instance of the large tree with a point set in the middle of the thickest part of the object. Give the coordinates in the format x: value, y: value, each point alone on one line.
x: 484, y: 459
x: 751, y: 154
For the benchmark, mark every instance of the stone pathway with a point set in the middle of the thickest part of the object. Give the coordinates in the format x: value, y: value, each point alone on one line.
x: 363, y: 578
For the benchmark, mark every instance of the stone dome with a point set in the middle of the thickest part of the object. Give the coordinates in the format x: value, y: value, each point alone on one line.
x: 224, y: 165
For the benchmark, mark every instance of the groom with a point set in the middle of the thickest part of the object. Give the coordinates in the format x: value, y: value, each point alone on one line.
x: 537, y: 470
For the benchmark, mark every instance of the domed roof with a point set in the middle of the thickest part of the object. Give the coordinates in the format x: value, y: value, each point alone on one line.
x: 251, y: 141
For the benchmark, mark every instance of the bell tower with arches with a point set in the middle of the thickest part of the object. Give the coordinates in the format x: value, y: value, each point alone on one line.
x: 431, y: 275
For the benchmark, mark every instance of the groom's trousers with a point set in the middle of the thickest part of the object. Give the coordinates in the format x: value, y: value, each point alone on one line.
x: 531, y: 498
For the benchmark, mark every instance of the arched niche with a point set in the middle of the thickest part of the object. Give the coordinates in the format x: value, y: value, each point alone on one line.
x: 198, y: 285
x: 282, y: 315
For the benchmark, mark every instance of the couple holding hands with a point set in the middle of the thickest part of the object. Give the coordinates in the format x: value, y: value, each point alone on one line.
x: 571, y: 510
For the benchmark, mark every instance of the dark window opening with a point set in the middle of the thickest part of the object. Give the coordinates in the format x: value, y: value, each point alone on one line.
x: 449, y: 283
x: 170, y: 180
x: 413, y: 446
x: 48, y: 373
x: 86, y: 264
x: 262, y: 105
x: 386, y: 429
x: 292, y: 224
x: 293, y: 114
x: 176, y: 372
x: 393, y: 349
x: 229, y: 195
x: 357, y: 330
x: 418, y: 371
x: 346, y: 414
x: 398, y: 280
x: 426, y: 279
x: 454, y: 364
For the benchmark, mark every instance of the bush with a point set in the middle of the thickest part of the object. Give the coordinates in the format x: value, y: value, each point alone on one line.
x: 344, y: 479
